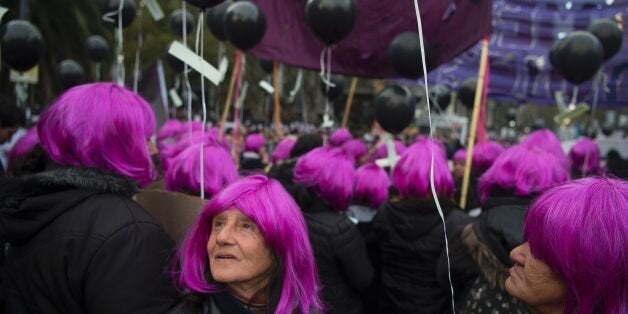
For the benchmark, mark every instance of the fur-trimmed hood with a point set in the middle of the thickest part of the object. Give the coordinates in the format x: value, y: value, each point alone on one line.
x: 27, y: 204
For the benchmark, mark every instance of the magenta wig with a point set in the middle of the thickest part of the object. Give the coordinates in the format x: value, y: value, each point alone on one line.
x: 460, y: 155
x: 484, y: 154
x: 170, y: 130
x: 371, y: 185
x: 282, y: 151
x: 585, y: 157
x: 100, y: 125
x: 330, y: 172
x: 254, y: 143
x: 355, y: 149
x: 579, y: 229
x: 339, y: 137
x: 382, y: 151
x: 411, y: 175
x: 23, y: 146
x: 522, y: 171
x: 271, y: 208
x: 547, y: 141
x: 183, y: 173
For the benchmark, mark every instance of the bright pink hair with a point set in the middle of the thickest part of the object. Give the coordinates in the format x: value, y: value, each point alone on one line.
x: 547, y: 141
x: 371, y: 185
x: 460, y: 155
x: 355, y: 148
x: 183, y: 173
x: 254, y: 143
x: 171, y: 129
x: 485, y: 154
x: 330, y: 172
x: 100, y: 125
x: 585, y: 157
x: 411, y: 175
x: 579, y: 229
x: 524, y: 171
x: 272, y: 209
x: 382, y: 150
x: 339, y: 137
x: 23, y: 146
x: 282, y: 151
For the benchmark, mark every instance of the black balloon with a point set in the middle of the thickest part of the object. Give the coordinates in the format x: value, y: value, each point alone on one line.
x: 174, y: 63
x: 609, y: 35
x: 204, y: 4
x: 335, y: 91
x: 22, y: 45
x: 176, y: 22
x: 607, y: 130
x: 577, y: 57
x: 440, y: 94
x: 129, y: 11
x: 394, y: 109
x: 466, y: 92
x: 404, y: 54
x: 331, y: 20
x: 266, y: 65
x: 215, y: 20
x: 245, y: 25
x: 97, y: 48
x: 69, y: 73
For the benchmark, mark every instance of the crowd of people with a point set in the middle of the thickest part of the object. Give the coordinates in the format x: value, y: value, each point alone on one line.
x: 313, y: 222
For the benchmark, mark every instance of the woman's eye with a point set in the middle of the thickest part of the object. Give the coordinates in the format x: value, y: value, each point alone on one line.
x: 218, y: 225
x: 248, y: 226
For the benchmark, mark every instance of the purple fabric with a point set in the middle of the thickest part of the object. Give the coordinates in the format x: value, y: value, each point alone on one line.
x: 523, y: 31
x: 450, y: 26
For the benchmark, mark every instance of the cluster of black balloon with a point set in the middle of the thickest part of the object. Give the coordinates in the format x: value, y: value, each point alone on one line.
x: 579, y: 55
x: 129, y: 11
x: 330, y: 20
x: 404, y: 54
x: 336, y: 89
x: 69, y: 73
x: 176, y: 22
x: 394, y: 109
x: 466, y: 92
x: 22, y: 45
x: 440, y: 96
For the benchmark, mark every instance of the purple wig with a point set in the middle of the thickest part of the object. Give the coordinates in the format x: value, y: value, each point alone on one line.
x: 183, y: 173
x: 271, y: 208
x: 411, y: 175
x: 282, y: 151
x: 171, y: 129
x: 254, y: 143
x: 23, y: 146
x: 371, y: 185
x: 460, y: 155
x: 382, y: 151
x: 579, y: 229
x: 547, y: 141
x: 339, y: 137
x: 330, y: 172
x: 355, y: 148
x: 523, y: 171
x: 485, y: 154
x: 100, y: 125
x: 585, y: 157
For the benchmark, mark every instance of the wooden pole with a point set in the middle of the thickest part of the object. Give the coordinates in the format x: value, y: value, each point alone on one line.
x: 345, y: 116
x: 276, y: 98
x: 234, y: 75
x: 474, y: 123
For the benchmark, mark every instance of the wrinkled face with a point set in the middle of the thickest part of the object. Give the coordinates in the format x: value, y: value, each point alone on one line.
x: 238, y: 254
x: 532, y: 281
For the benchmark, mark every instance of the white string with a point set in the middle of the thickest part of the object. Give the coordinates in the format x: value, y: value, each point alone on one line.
x: 140, y: 42
x: 120, y: 40
x: 574, y: 97
x: 325, y: 75
x: 429, y: 114
x: 186, y: 79
x: 596, y: 92
x: 199, y: 42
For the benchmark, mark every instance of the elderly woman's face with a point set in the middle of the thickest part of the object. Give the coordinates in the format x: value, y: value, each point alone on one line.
x: 532, y: 281
x: 238, y: 254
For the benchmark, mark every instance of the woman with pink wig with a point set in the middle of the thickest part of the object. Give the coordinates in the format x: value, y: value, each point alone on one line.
x: 26, y: 156
x: 584, y: 157
x: 241, y: 257
x: 339, y: 137
x: 574, y: 256
x: 282, y: 151
x: 410, y: 232
x: 78, y: 242
x: 254, y: 155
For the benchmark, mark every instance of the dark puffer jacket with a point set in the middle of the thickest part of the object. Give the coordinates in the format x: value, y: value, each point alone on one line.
x: 411, y: 239
x: 79, y: 244
x: 341, y: 258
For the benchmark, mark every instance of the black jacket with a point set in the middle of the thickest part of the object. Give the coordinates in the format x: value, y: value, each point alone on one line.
x: 215, y: 303
x: 341, y: 258
x: 411, y: 240
x: 79, y: 244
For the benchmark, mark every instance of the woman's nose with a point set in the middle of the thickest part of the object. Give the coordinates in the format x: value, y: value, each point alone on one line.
x: 517, y: 254
x: 224, y: 236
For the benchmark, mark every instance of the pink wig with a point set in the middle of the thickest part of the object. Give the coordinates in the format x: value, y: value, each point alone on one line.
x: 168, y: 152
x: 330, y: 172
x: 23, y: 146
x: 523, y: 171
x: 254, y: 143
x: 411, y: 175
x: 548, y: 141
x: 460, y: 155
x: 579, y: 229
x: 100, y: 125
x: 382, y: 151
x: 371, y: 185
x: 271, y: 208
x: 183, y: 174
x: 484, y: 154
x: 355, y: 148
x: 171, y: 129
x: 585, y: 157
x: 282, y: 151
x: 339, y: 137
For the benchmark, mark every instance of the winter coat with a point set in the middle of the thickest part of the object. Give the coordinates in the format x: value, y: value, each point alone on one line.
x: 215, y: 303
x: 479, y: 256
x: 341, y: 257
x: 411, y: 239
x: 79, y: 244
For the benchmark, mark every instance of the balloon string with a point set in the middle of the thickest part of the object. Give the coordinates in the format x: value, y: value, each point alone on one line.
x: 120, y: 46
x: 328, y: 105
x: 434, y: 195
x: 140, y: 42
x: 574, y: 97
x: 199, y: 42
x: 186, y: 78
x: 596, y: 92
